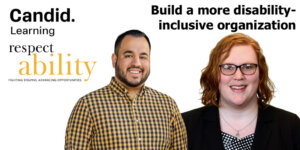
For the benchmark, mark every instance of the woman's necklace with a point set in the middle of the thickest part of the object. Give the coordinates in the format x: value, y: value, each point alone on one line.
x: 238, y: 130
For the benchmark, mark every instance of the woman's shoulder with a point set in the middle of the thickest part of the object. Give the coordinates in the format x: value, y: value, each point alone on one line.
x: 198, y: 111
x: 205, y: 112
x: 279, y: 117
x: 273, y: 111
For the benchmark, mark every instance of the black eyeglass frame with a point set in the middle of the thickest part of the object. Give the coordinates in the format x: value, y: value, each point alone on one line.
x: 238, y: 67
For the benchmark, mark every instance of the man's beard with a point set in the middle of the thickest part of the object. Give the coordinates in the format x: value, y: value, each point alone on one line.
x: 122, y: 76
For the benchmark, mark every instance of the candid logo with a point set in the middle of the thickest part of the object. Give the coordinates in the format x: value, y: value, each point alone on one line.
x: 37, y: 65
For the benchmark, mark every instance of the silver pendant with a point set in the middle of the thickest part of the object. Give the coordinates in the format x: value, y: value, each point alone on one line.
x: 237, y: 134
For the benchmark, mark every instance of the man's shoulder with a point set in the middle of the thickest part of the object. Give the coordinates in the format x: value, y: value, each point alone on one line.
x: 156, y: 93
x: 101, y: 92
x: 160, y: 97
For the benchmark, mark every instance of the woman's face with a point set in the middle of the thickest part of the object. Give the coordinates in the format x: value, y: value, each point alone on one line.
x: 238, y: 90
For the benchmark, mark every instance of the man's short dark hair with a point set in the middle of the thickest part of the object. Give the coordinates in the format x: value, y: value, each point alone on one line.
x: 135, y: 33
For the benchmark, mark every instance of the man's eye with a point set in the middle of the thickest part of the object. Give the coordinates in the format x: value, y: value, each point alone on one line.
x: 143, y: 57
x: 128, y: 56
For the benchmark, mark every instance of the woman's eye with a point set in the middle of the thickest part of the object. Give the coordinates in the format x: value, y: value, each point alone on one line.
x: 248, y: 66
x: 228, y: 67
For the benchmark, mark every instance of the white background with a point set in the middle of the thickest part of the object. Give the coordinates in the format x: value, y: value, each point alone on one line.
x: 34, y: 115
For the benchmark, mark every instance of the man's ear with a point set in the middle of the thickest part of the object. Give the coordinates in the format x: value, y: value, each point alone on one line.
x: 114, y: 59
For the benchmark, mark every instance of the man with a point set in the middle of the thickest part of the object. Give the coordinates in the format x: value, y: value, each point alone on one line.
x: 126, y: 114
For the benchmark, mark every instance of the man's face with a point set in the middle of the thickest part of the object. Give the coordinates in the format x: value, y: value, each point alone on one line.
x: 132, y: 65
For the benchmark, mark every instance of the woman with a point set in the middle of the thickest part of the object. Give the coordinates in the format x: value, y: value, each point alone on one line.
x: 236, y: 94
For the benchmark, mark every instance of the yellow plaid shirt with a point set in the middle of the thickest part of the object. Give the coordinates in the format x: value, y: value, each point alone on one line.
x: 108, y: 119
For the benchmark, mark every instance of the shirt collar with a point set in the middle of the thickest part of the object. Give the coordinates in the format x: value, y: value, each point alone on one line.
x: 121, y: 90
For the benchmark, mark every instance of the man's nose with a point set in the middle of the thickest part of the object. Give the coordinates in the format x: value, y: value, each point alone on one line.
x: 136, y: 62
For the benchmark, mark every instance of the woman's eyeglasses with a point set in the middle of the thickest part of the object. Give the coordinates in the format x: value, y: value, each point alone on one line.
x: 230, y: 69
